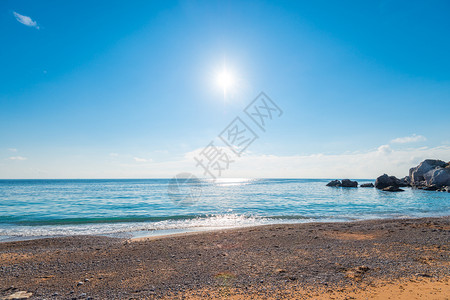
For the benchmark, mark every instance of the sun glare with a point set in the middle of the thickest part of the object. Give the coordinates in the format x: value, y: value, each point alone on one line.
x: 225, y: 80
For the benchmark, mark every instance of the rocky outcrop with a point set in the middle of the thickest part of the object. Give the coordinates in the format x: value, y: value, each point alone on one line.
x: 406, y: 181
x: 334, y: 183
x: 385, y: 181
x: 368, y: 185
x: 431, y: 174
x: 349, y: 183
x: 344, y: 183
x: 439, y: 177
x: 417, y: 174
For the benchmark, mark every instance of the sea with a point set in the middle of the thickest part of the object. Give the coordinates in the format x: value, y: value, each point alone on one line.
x: 129, y: 208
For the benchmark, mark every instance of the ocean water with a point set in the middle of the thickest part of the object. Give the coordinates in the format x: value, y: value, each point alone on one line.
x: 126, y: 208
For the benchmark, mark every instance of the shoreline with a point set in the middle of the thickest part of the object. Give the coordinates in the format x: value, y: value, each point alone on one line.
x: 225, y: 230
x: 304, y: 261
x: 160, y: 233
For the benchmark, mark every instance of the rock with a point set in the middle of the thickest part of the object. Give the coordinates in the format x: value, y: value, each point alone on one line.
x: 432, y: 187
x: 349, y: 183
x: 404, y: 182
x: 385, y: 181
x: 79, y: 283
x: 334, y: 183
x: 417, y: 174
x: 344, y: 183
x: 367, y: 185
x: 423, y: 275
x: 392, y: 189
x: 438, y: 176
x: 18, y: 295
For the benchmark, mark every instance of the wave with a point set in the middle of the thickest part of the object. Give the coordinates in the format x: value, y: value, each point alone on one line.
x: 101, y: 228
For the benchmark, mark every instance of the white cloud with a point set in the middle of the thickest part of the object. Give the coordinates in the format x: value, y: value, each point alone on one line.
x: 409, y: 139
x: 114, y: 154
x: 384, y: 149
x: 139, y: 159
x: 25, y: 20
x: 369, y: 164
x: 17, y: 158
x: 12, y: 149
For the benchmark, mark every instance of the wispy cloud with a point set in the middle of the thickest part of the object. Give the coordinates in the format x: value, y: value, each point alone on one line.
x: 139, y: 159
x: 25, y: 20
x: 360, y: 164
x: 17, y: 158
x: 12, y: 149
x: 409, y: 139
x: 368, y: 164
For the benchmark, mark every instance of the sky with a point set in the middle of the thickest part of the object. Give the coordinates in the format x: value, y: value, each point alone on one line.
x: 129, y: 89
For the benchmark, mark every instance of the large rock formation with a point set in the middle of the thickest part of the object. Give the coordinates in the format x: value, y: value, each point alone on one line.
x: 430, y: 172
x: 417, y: 173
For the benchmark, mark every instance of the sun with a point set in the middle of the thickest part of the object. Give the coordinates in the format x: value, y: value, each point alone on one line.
x: 225, y: 80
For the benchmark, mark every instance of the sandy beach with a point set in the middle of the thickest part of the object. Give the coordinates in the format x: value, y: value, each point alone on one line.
x: 380, y: 259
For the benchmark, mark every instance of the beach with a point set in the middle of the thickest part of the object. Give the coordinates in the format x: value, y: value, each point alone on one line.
x: 397, y: 258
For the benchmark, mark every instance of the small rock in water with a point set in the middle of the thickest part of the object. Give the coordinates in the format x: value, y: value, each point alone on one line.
x: 385, y: 181
x: 334, y: 183
x: 344, y: 183
x: 392, y: 189
x: 349, y: 183
x: 430, y: 188
x: 367, y: 185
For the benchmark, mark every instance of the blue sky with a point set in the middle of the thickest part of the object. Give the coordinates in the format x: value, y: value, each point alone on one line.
x: 114, y: 89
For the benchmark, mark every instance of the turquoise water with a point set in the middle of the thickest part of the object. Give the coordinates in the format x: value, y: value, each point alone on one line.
x: 42, y: 208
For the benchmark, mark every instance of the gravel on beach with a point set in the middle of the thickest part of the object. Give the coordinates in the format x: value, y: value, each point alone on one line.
x: 270, y: 262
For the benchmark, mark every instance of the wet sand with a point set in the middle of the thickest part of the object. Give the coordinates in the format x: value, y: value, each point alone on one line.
x: 382, y: 259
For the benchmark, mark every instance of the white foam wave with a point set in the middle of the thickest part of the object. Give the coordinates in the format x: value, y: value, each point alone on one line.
x: 201, y: 223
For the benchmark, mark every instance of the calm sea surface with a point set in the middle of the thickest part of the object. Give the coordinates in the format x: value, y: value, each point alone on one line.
x: 43, y: 208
